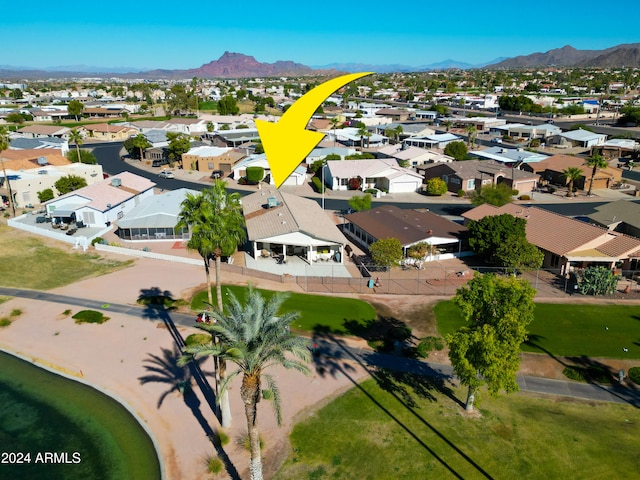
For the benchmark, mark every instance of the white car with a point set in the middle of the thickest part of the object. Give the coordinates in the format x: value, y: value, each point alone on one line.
x: 166, y: 174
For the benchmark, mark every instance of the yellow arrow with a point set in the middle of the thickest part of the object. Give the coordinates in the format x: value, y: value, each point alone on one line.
x: 287, y: 142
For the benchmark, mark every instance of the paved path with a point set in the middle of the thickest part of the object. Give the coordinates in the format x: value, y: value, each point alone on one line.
x: 331, y: 348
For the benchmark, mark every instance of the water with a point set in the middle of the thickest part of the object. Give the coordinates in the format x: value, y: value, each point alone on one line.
x: 54, y: 428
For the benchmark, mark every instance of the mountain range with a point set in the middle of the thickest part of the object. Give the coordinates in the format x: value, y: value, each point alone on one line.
x: 238, y: 65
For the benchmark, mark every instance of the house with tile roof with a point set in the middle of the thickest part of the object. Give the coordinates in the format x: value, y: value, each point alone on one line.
x: 285, y: 225
x: 567, y: 243
x: 383, y: 174
x: 107, y: 132
x: 471, y: 175
x: 550, y: 170
x: 508, y: 155
x: 37, y: 131
x: 207, y: 158
x: 621, y: 216
x: 409, y: 227
x: 102, y: 203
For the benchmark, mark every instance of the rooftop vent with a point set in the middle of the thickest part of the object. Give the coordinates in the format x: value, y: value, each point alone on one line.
x: 42, y: 172
x: 42, y: 161
x: 116, y: 182
x: 272, y: 202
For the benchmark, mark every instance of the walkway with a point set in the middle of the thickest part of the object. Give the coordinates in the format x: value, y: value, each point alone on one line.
x: 338, y: 348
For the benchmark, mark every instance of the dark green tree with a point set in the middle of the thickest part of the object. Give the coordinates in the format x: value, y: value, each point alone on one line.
x: 45, y: 195
x: 69, y: 183
x: 496, y: 195
x: 227, y: 105
x: 487, y: 350
x: 179, y: 143
x: 487, y: 234
x: 596, y: 162
x: 360, y: 203
x: 386, y: 252
x: 75, y: 108
x: 139, y: 143
x: 457, y: 150
x: 85, y: 157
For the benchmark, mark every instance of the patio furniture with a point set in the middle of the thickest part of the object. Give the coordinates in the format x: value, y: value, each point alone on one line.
x: 264, y: 253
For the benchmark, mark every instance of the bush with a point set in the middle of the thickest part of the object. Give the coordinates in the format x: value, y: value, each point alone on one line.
x: 634, y: 374
x: 45, y: 195
x: 214, y: 464
x: 371, y: 191
x: 5, y: 322
x: 254, y: 175
x: 551, y: 189
x: 355, y: 184
x: 461, y: 193
x: 317, y: 184
x: 99, y: 240
x: 89, y: 316
x: 428, y: 344
x: 436, y: 186
x: 525, y: 197
x: 592, y: 373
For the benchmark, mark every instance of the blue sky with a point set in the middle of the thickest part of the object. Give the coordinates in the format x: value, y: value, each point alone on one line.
x: 174, y: 35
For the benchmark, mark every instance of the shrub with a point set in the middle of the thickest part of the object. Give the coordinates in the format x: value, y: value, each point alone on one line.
x: 371, y: 191
x: 99, y: 240
x: 436, y: 186
x: 89, y: 316
x: 634, y: 374
x: 245, y: 442
x: 45, y: 195
x: 428, y: 344
x: 4, y: 322
x: 551, y: 189
x: 461, y: 193
x: 317, y: 185
x: 591, y: 373
x: 355, y: 183
x: 214, y: 464
x: 254, y: 175
x: 525, y: 197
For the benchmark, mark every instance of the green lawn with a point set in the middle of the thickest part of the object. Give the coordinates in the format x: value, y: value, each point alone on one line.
x: 28, y: 263
x: 570, y: 329
x: 316, y: 311
x: 413, y: 429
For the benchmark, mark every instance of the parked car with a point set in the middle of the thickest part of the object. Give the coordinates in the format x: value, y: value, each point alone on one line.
x: 216, y: 174
x: 166, y: 174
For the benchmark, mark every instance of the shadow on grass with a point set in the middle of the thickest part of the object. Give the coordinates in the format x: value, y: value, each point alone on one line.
x: 394, y: 375
x: 158, y: 312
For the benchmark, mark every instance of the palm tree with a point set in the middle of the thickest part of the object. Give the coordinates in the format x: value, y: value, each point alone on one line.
x: 363, y: 132
x: 447, y: 124
x: 334, y: 124
x: 254, y: 336
x: 140, y: 142
x: 4, y: 145
x: 595, y: 161
x: 572, y: 174
x: 76, y: 137
x: 471, y: 133
x: 216, y: 223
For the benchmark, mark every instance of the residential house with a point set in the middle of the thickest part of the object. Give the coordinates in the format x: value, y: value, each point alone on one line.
x: 320, y: 152
x: 482, y: 124
x: 207, y: 159
x: 284, y: 225
x: 550, y: 171
x: 186, y: 126
x: 102, y: 112
x: 567, y: 244
x: 413, y: 156
x: 351, y: 137
x: 409, y: 227
x: 396, y: 114
x: 42, y: 131
x: 102, y: 203
x: 384, y: 174
x: 508, y: 155
x: 42, y: 143
x: 48, y: 115
x: 155, y: 218
x: 578, y: 138
x: 473, y: 174
x: 107, y: 132
x: 439, y: 140
x: 32, y: 171
x: 519, y: 131
x: 617, y: 148
x: 298, y: 176
x: 232, y: 138
x: 621, y: 216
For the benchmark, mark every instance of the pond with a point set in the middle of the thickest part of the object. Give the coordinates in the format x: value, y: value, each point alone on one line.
x: 52, y: 427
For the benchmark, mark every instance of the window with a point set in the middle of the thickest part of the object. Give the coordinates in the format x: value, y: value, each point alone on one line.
x: 471, y: 184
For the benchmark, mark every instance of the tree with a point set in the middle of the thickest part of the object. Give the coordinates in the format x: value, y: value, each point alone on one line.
x: 486, y: 350
x: 140, y: 143
x: 436, y: 186
x: 69, y: 183
x: 518, y: 254
x: 4, y: 145
x: 572, y: 175
x: 179, y: 143
x: 75, y: 108
x: 45, y: 195
x: 227, y: 105
x: 364, y: 133
x: 254, y: 336
x: 487, y: 234
x: 596, y: 162
x: 15, y: 117
x: 472, y: 131
x: 457, y: 150
x: 215, y: 221
x: 76, y: 137
x: 360, y: 203
x: 497, y: 195
x: 386, y: 252
x: 597, y: 281
x: 85, y: 157
x: 419, y: 251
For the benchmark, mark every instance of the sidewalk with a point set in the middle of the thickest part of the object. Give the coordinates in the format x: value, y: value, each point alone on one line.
x: 344, y: 349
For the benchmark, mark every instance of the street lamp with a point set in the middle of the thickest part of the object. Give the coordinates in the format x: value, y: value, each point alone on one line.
x: 323, y: 185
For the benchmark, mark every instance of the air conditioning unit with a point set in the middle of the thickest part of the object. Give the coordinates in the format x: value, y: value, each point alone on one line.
x: 116, y: 182
x: 42, y: 161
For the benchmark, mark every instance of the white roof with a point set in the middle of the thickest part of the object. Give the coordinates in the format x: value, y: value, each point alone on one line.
x: 373, y: 168
x: 206, y: 151
x: 157, y: 211
x: 581, y: 135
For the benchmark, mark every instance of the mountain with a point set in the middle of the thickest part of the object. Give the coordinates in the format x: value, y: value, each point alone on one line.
x: 366, y: 67
x: 568, y: 56
x: 237, y: 65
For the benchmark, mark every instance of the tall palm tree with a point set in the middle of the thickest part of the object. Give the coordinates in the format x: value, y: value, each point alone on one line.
x: 572, y: 174
x: 471, y: 133
x: 214, y: 218
x: 596, y: 162
x: 334, y: 124
x: 254, y: 336
x: 447, y: 124
x: 76, y: 137
x: 4, y: 145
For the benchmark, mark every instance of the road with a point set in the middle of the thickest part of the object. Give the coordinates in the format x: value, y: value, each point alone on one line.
x: 108, y: 155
